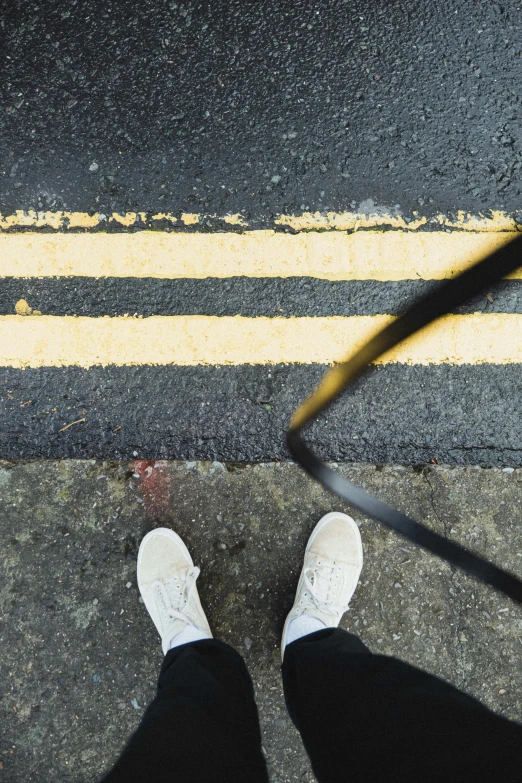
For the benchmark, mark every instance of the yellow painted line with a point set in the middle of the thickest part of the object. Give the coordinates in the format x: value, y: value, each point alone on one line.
x: 372, y: 217
x: 65, y: 220
x: 352, y: 221
x: 336, y: 255
x: 48, y: 341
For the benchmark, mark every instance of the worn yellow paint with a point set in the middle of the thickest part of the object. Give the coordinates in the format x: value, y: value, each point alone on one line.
x: 129, y: 218
x: 235, y: 220
x: 353, y: 221
x: 164, y: 216
x: 190, y: 219
x: 195, y: 340
x: 194, y: 219
x: 307, y: 221
x: 57, y: 220
x: 365, y: 255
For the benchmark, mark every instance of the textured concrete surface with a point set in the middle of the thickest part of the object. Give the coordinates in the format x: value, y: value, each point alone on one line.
x: 80, y: 656
x: 261, y: 108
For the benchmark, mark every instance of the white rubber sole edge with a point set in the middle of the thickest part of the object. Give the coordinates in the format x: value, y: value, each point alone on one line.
x: 322, y: 522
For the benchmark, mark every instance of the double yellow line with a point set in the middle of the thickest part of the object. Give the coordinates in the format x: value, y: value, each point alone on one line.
x: 43, y: 340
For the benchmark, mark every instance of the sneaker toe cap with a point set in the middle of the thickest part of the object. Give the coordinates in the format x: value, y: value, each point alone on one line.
x: 161, y: 558
x: 338, y: 541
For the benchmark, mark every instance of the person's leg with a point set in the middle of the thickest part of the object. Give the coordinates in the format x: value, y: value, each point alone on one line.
x: 203, y: 724
x: 370, y: 717
x: 374, y: 718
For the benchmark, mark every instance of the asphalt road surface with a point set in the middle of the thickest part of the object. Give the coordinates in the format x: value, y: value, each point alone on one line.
x: 393, y: 127
x: 200, y: 107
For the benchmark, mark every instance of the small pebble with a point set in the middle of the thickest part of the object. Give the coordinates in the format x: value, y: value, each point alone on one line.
x: 93, y: 167
x: 135, y: 704
x: 129, y: 584
x: 95, y: 602
x: 248, y: 643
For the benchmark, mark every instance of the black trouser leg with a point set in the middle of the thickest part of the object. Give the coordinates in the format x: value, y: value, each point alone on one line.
x: 366, y: 717
x: 202, y: 726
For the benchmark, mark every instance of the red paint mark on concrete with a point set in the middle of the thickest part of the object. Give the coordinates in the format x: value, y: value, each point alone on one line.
x: 153, y: 483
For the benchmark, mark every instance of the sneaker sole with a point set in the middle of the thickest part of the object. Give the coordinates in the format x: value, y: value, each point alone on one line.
x: 317, y: 529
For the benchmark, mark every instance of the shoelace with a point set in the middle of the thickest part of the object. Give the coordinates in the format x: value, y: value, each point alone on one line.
x: 318, y: 580
x: 175, y: 594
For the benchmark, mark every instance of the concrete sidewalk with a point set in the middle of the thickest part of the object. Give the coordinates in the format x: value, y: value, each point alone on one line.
x: 80, y: 656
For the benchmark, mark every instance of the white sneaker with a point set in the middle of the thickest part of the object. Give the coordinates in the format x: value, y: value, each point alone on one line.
x: 167, y: 582
x: 332, y: 565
